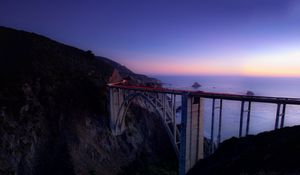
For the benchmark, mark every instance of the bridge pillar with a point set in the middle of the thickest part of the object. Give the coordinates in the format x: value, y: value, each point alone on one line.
x: 116, y: 100
x: 192, y: 132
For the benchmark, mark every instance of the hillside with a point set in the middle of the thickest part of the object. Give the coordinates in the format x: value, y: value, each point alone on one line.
x: 126, y: 73
x: 54, y: 114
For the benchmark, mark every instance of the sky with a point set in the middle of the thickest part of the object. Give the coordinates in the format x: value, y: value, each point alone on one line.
x: 172, y: 37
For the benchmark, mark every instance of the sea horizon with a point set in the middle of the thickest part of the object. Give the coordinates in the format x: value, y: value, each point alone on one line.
x: 262, y: 115
x: 240, y: 84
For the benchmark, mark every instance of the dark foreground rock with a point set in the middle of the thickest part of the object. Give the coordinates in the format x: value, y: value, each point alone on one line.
x: 54, y: 114
x: 275, y: 152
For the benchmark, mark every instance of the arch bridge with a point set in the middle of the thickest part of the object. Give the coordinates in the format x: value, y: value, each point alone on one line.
x: 186, y: 129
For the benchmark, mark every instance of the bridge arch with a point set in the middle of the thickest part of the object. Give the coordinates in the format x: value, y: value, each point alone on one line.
x: 166, y: 117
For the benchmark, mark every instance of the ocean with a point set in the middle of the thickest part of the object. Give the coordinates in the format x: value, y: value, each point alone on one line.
x: 262, y: 115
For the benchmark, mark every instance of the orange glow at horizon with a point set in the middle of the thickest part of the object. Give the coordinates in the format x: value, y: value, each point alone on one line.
x: 249, y: 70
x: 182, y: 68
x: 280, y: 64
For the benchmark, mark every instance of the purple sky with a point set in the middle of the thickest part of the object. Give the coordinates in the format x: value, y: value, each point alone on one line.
x: 226, y: 37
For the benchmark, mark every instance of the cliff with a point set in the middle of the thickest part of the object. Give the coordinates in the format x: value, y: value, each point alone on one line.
x: 54, y: 114
x: 274, y: 152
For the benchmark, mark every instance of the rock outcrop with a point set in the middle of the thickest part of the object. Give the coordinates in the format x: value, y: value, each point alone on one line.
x: 249, y: 93
x: 196, y: 85
x: 54, y: 114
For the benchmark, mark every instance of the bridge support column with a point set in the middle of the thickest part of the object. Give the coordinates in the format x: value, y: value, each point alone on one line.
x: 116, y: 100
x: 192, y: 133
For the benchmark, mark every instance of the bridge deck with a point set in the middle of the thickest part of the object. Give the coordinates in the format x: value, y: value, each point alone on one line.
x: 213, y: 95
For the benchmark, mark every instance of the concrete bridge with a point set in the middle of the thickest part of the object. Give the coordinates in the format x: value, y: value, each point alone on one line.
x: 187, y: 135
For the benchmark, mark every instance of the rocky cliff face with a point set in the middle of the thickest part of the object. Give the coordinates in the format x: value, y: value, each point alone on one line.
x: 54, y: 117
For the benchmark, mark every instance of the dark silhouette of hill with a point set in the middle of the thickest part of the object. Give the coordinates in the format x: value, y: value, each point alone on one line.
x: 54, y: 113
x: 274, y: 152
x: 28, y: 58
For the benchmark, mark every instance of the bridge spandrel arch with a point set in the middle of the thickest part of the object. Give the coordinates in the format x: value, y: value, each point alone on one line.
x: 160, y: 105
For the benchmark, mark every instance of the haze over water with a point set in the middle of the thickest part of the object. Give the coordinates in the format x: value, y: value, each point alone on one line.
x: 262, y: 115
